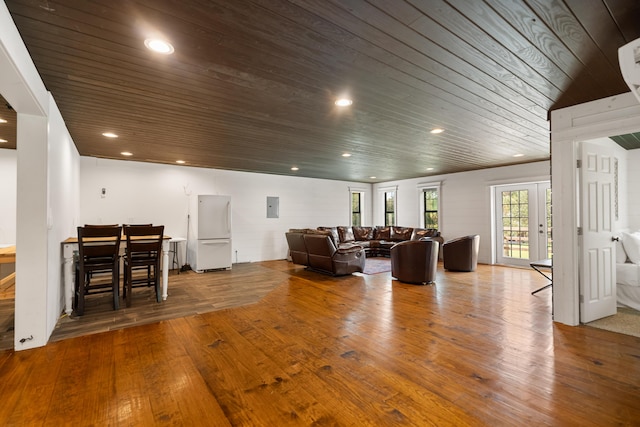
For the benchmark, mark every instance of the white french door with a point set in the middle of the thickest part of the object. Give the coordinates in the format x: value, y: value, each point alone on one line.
x: 523, y: 223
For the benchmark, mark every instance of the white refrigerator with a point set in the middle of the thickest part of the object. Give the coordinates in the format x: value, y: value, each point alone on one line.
x: 209, y: 237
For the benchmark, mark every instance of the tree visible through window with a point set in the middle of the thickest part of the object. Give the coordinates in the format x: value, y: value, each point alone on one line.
x: 356, y: 209
x: 389, y: 208
x: 430, y: 208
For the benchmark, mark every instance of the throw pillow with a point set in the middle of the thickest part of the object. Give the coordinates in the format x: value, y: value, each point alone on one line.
x: 346, y: 234
x: 362, y: 233
x: 382, y: 233
x: 631, y: 243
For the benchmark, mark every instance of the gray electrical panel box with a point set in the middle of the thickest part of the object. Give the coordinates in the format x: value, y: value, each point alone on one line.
x: 273, y: 207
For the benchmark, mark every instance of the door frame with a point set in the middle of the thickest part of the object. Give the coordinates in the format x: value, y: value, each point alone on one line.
x: 616, y: 115
x: 538, y: 204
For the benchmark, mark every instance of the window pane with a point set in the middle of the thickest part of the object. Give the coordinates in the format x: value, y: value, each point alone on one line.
x: 431, y: 220
x: 389, y: 208
x: 430, y: 213
x: 356, y: 214
x: 515, y: 222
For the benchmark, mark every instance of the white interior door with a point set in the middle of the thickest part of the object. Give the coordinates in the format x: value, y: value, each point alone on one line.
x: 597, y: 268
x: 523, y: 223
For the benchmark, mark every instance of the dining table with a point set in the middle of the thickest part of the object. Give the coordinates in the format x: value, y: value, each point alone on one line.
x: 70, y: 248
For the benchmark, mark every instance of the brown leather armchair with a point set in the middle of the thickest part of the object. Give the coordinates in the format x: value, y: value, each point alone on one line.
x: 326, y: 258
x: 461, y: 254
x: 415, y: 261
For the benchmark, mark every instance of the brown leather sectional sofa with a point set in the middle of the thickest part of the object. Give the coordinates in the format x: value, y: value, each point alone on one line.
x: 378, y: 240
x: 318, y: 252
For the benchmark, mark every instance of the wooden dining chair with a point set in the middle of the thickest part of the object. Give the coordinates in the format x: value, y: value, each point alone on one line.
x: 125, y: 227
x: 98, y: 252
x: 144, y: 250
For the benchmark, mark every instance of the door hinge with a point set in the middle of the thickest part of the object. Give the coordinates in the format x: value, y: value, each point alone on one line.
x: 579, y: 163
x: 579, y: 231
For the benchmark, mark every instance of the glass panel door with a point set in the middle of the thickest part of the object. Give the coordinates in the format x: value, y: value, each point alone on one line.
x: 523, y: 229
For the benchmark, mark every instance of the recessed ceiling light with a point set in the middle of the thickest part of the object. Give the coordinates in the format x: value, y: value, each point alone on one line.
x: 295, y: 168
x: 518, y: 155
x: 437, y: 130
x: 159, y: 46
x: 346, y: 155
x: 126, y: 153
x: 181, y: 162
x: 343, y: 102
x: 3, y: 121
x: 109, y: 134
x: 2, y: 141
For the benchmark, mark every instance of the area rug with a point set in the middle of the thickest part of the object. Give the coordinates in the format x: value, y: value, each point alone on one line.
x: 377, y: 265
x: 626, y: 321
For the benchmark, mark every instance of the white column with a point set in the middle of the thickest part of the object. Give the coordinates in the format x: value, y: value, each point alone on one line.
x: 31, y: 233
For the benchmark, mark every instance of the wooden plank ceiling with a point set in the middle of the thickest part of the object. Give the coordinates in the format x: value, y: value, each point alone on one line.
x: 251, y: 85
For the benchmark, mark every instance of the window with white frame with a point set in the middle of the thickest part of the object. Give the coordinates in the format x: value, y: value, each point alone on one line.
x: 356, y: 208
x: 389, y: 208
x: 430, y: 205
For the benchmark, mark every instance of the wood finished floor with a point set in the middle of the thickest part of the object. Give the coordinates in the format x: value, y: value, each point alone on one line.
x: 475, y: 349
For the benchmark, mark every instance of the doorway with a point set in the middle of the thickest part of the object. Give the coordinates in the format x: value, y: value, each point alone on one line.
x: 523, y: 223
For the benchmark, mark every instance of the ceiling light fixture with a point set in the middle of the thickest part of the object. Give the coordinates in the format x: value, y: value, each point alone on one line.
x: 126, y: 153
x: 295, y: 168
x: 181, y: 162
x: 518, y: 155
x: 346, y: 155
x: 343, y: 102
x: 109, y: 134
x: 159, y: 46
x: 437, y: 130
x: 372, y: 177
x: 429, y: 169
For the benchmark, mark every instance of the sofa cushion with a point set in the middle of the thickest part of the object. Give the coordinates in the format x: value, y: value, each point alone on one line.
x: 399, y: 234
x: 362, y: 233
x: 346, y: 234
x: 382, y: 233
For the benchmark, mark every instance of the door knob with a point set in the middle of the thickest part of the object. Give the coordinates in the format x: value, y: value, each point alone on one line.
x: 615, y: 239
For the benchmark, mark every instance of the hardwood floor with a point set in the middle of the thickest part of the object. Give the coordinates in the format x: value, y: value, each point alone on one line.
x: 475, y: 349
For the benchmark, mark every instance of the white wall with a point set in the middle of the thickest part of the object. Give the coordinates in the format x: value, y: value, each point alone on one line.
x: 63, y: 203
x: 465, y: 200
x: 146, y: 192
x: 633, y: 189
x: 8, y: 196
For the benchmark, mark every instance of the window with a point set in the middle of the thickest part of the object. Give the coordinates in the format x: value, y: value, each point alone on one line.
x: 430, y: 198
x: 430, y: 211
x: 356, y: 209
x: 389, y: 208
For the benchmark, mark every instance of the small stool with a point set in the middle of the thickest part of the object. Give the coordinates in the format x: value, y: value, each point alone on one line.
x: 173, y: 248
